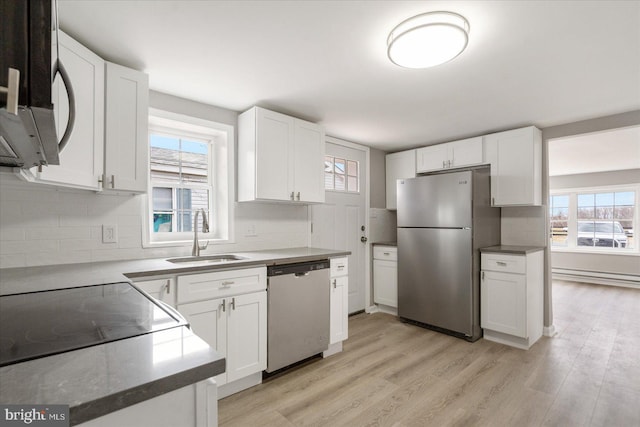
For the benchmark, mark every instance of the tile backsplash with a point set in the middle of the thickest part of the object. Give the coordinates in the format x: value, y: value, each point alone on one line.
x: 43, y: 225
x: 382, y: 225
x: 524, y: 225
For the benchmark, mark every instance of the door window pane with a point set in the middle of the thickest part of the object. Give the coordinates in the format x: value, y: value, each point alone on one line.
x: 341, y: 174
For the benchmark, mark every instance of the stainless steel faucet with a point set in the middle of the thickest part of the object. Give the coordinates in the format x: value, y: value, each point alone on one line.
x: 205, y: 229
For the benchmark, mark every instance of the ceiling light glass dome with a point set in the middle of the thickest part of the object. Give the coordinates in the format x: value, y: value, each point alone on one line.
x: 429, y: 39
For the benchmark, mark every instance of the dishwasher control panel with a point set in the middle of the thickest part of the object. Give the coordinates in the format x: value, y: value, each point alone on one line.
x: 300, y: 267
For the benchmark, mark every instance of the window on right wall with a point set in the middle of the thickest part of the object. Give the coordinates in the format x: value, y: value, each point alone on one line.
x: 599, y: 219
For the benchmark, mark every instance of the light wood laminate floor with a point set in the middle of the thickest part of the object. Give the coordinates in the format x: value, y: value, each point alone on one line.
x: 395, y: 374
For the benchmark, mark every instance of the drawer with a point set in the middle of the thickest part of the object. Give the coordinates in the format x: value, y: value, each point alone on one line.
x: 205, y: 286
x: 339, y: 266
x: 388, y: 253
x: 504, y: 263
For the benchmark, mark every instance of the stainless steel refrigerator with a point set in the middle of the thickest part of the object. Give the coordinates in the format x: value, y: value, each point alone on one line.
x: 443, y: 220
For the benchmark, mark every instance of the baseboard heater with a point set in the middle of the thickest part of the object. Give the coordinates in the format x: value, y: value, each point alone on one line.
x: 597, y: 277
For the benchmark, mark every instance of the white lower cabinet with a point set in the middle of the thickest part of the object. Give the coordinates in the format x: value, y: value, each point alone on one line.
x: 228, y: 310
x: 163, y: 289
x: 339, y: 305
x: 511, y: 298
x: 385, y: 275
x: 236, y: 327
x: 190, y: 406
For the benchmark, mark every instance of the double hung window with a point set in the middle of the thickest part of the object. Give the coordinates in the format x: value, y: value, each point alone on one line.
x: 600, y: 219
x: 189, y: 173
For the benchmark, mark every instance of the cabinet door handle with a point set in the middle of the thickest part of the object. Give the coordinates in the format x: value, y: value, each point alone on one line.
x: 168, y: 286
x: 335, y: 283
x: 341, y: 267
x: 448, y: 163
x: 483, y: 275
x: 113, y: 181
x: 443, y: 164
x: 233, y: 303
x: 298, y: 196
x: 501, y: 263
x: 227, y: 283
x: 224, y: 305
x: 493, y: 201
x: 387, y: 253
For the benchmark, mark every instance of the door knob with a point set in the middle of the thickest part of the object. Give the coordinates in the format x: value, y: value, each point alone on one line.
x: 363, y: 239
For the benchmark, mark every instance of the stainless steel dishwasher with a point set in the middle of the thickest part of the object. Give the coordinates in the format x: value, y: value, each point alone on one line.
x: 298, y: 312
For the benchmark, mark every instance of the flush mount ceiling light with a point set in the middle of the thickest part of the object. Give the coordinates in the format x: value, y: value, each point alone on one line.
x: 428, y: 39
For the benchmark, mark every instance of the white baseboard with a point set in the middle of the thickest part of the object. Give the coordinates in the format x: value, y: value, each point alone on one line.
x: 381, y: 308
x: 333, y: 349
x: 239, y: 385
x: 371, y: 309
x: 595, y: 277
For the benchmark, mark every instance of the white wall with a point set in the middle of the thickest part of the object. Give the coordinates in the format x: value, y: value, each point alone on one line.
x: 42, y: 225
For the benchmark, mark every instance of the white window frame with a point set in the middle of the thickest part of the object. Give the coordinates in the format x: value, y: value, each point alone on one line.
x: 572, y: 222
x: 221, y: 178
x: 346, y: 176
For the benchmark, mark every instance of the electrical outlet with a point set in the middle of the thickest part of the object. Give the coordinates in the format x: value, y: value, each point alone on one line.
x: 109, y: 234
x: 251, y: 230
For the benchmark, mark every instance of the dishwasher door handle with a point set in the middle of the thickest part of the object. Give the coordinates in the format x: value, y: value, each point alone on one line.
x: 306, y: 273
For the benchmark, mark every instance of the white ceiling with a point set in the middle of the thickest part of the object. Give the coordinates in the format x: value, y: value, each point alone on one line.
x: 528, y: 62
x: 595, y: 152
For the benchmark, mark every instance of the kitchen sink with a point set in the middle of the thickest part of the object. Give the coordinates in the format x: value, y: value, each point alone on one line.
x: 208, y: 259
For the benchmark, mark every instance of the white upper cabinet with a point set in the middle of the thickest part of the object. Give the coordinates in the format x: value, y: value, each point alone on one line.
x: 81, y: 161
x: 516, y: 166
x: 126, y: 128
x: 308, y: 162
x: 108, y: 144
x: 280, y: 158
x: 398, y: 166
x: 456, y: 154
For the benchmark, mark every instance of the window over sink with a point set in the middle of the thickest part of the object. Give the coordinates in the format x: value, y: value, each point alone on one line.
x: 190, y: 170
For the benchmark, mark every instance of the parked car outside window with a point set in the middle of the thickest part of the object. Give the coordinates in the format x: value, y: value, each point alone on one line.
x: 601, y: 233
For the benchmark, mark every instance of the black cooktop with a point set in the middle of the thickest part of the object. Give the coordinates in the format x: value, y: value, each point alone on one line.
x: 38, y: 324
